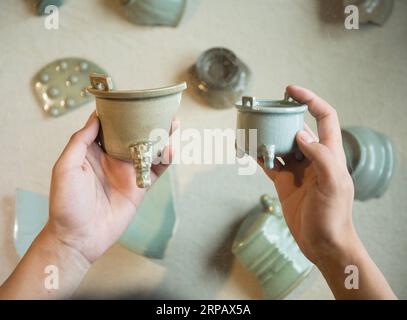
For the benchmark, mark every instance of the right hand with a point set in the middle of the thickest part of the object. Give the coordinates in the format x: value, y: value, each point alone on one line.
x: 316, y: 193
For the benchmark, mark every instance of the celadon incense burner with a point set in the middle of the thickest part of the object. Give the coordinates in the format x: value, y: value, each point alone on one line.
x: 127, y: 119
x: 276, y: 123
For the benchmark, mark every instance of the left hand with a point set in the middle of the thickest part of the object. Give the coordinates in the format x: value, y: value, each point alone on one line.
x: 93, y: 196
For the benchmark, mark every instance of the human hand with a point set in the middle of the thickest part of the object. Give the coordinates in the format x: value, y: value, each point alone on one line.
x: 93, y: 196
x: 317, y: 193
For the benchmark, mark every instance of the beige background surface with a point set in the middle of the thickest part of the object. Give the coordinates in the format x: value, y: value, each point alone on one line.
x: 362, y: 73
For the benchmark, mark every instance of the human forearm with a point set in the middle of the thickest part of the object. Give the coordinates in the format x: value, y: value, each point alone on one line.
x: 29, y: 280
x: 371, y: 283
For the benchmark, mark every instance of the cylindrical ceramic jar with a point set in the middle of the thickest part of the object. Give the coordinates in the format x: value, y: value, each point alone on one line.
x: 127, y: 119
x: 276, y: 122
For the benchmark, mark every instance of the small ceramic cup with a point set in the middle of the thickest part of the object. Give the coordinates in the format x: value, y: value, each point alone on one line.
x: 128, y: 118
x: 277, y: 123
x: 370, y: 158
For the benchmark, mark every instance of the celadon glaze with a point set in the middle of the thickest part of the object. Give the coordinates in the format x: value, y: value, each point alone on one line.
x: 370, y: 158
x: 148, y: 233
x: 276, y: 123
x: 265, y: 246
x: 128, y: 119
x: 154, y: 12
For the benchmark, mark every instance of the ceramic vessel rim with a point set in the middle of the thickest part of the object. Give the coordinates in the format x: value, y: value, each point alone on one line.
x: 273, y: 106
x: 138, y: 94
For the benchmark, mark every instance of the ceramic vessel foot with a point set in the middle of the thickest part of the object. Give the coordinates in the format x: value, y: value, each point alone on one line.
x: 142, y: 155
x: 268, y: 155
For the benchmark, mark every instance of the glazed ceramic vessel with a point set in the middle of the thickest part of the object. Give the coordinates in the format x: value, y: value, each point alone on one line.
x: 375, y: 11
x: 370, y: 158
x: 127, y: 119
x: 154, y: 12
x: 220, y: 77
x: 277, y: 123
x: 266, y: 247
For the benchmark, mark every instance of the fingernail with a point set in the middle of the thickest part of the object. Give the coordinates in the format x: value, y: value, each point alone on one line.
x: 305, y: 137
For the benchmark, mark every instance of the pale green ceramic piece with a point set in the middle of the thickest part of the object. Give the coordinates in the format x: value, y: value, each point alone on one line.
x: 148, y: 233
x: 154, y: 12
x: 42, y: 4
x: 277, y: 123
x: 370, y: 158
x: 61, y: 85
x: 220, y: 77
x: 265, y: 246
x: 375, y: 11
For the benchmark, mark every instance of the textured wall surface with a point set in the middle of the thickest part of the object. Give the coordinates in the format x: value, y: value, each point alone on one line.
x: 362, y: 73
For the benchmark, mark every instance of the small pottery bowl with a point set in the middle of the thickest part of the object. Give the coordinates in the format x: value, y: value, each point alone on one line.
x: 127, y: 119
x: 276, y: 122
x: 266, y: 247
x: 220, y: 77
x: 370, y: 158
x: 154, y: 12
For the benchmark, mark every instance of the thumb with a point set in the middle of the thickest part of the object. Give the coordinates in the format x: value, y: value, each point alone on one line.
x: 318, y: 154
x: 75, y: 151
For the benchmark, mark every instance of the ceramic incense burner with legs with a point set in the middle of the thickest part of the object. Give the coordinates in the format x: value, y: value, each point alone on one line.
x: 128, y: 118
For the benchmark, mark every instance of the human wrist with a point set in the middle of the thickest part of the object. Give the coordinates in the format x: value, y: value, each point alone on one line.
x: 61, y: 250
x: 341, y: 253
x: 69, y: 262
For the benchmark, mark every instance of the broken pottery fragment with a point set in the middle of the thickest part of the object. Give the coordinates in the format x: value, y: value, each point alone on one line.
x: 370, y: 158
x: 265, y: 246
x: 277, y: 123
x: 220, y: 77
x: 154, y: 12
x: 128, y: 119
x: 41, y: 5
x: 148, y: 233
x: 374, y: 11
x: 61, y: 86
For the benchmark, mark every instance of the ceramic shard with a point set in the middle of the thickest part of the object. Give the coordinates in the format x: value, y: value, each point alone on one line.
x: 370, y: 158
x: 220, y: 77
x: 154, y: 12
x: 61, y: 86
x: 266, y: 247
x: 41, y: 5
x: 148, y: 233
